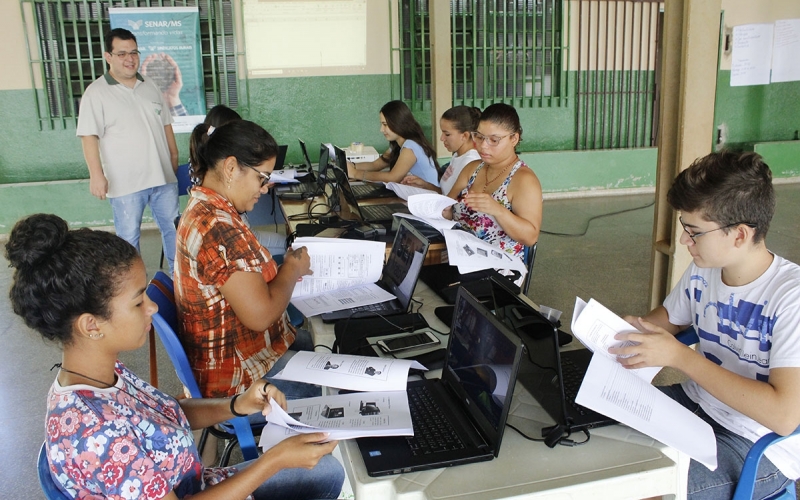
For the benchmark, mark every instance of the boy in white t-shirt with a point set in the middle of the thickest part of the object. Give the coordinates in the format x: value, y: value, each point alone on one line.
x: 744, y: 303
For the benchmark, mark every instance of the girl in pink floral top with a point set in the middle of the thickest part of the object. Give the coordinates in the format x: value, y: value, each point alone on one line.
x: 108, y: 433
x: 500, y: 199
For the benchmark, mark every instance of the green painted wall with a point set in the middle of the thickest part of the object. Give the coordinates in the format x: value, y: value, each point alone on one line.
x: 342, y: 109
x: 756, y: 113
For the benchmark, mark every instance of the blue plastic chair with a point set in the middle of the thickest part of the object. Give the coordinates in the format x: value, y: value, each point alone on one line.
x: 184, y: 185
x: 747, y: 479
x: 236, y: 430
x: 49, y: 486
x: 528, y: 256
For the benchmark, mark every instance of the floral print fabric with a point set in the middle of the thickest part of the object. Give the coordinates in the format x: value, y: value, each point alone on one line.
x: 483, y: 225
x: 127, y: 441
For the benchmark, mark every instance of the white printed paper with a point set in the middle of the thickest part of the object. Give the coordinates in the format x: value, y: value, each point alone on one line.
x: 429, y: 207
x: 347, y: 371
x: 752, y: 54
x: 404, y: 191
x: 786, y: 51
x: 595, y: 326
x: 608, y: 388
x: 286, y: 176
x: 345, y: 298
x: 344, y: 416
x: 471, y: 253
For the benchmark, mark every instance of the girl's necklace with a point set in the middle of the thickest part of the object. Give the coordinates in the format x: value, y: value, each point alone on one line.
x: 496, y: 176
x: 106, y: 385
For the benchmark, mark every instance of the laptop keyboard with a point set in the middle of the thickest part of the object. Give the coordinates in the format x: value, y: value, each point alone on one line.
x: 379, y: 307
x: 364, y: 189
x: 573, y: 377
x: 377, y: 212
x: 432, y: 431
x: 299, y: 188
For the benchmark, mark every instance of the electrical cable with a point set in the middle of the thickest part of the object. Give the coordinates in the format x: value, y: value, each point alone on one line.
x: 588, y: 222
x: 563, y: 441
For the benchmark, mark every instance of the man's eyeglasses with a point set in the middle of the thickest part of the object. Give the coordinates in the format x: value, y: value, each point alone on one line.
x: 123, y: 55
x: 492, y: 140
x: 694, y: 236
x: 264, y: 175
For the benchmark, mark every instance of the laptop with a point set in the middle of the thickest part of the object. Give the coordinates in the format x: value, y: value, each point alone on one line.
x: 377, y: 214
x: 309, y: 189
x: 399, y: 276
x: 365, y: 190
x: 552, y: 376
x: 471, y: 400
x: 315, y: 184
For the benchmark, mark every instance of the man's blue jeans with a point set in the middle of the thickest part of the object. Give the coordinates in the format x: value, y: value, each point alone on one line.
x: 731, y: 450
x: 128, y: 211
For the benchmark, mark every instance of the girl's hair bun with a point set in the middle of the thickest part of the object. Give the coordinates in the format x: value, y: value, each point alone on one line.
x: 35, y: 238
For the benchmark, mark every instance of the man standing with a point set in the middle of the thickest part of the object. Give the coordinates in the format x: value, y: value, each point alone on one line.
x: 126, y: 133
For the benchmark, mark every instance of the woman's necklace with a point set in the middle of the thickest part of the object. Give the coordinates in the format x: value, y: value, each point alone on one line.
x: 496, y: 176
x: 156, y: 408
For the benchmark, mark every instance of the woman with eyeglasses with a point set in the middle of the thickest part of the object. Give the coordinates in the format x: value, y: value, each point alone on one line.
x: 457, y: 124
x: 230, y: 294
x: 500, y: 200
x: 109, y: 433
x: 409, y: 151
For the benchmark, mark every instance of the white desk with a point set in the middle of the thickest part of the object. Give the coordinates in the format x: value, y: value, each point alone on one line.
x: 617, y: 463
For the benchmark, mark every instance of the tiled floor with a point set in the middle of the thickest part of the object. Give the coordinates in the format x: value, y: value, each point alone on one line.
x: 610, y: 263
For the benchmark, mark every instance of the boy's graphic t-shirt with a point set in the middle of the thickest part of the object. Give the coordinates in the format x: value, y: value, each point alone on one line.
x: 748, y: 330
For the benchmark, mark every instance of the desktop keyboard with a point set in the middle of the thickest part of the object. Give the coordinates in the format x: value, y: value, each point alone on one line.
x: 432, y: 431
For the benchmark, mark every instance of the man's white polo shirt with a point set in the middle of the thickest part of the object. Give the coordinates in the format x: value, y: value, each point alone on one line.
x: 130, y: 124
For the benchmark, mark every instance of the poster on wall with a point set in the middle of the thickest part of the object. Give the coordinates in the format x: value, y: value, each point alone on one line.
x: 169, y: 43
x: 785, y: 63
x: 752, y: 54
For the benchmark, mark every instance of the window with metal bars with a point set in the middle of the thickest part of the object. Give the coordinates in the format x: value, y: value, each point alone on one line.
x: 502, y: 50
x: 70, y: 50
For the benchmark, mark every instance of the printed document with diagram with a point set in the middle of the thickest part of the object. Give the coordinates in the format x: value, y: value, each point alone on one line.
x: 347, y: 371
x: 471, y: 253
x: 344, y: 275
x: 627, y: 395
x: 343, y: 416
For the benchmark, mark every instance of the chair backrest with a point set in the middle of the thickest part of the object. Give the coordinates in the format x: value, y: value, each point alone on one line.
x: 51, y: 490
x: 528, y: 256
x: 184, y: 179
x: 747, y: 479
x: 161, y: 290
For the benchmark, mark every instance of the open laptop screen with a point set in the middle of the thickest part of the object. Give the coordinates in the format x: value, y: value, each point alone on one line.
x: 405, y: 261
x: 344, y: 185
x: 306, y: 158
x: 322, y: 166
x: 483, y: 357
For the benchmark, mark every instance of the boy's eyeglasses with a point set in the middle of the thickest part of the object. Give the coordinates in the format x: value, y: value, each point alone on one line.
x: 123, y: 55
x: 492, y: 140
x: 264, y: 175
x: 694, y: 236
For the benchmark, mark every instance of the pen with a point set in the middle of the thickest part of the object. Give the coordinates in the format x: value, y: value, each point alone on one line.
x: 454, y: 283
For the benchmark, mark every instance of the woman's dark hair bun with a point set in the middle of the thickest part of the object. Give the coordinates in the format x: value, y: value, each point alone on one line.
x: 34, y: 238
